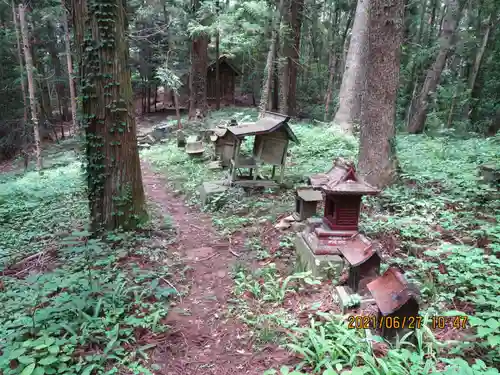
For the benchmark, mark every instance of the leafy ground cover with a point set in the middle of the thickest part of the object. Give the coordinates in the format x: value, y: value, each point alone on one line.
x: 439, y: 223
x: 179, y: 297
x: 70, y: 304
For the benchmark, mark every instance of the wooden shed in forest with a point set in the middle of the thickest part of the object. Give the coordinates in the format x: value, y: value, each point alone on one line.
x: 272, y: 135
x: 228, y: 74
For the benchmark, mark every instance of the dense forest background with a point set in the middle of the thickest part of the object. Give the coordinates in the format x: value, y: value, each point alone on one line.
x: 111, y: 263
x: 448, y: 65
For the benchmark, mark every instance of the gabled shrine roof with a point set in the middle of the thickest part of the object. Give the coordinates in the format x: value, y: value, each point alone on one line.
x: 342, y: 179
x: 357, y: 255
x: 391, y: 291
x: 271, y: 122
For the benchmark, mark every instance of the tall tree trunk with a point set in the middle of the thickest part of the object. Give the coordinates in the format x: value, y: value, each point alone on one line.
x: 69, y: 63
x: 275, y: 97
x: 291, y: 53
x: 41, y: 79
x: 21, y: 68
x: 270, y: 63
x: 115, y: 190
x: 477, y: 65
x: 199, y: 66
x: 349, y: 109
x: 332, y: 59
x: 331, y: 82
x: 286, y: 53
x: 177, y: 110
x: 450, y: 22
x: 377, y: 151
x: 415, y: 68
x: 345, y: 44
x: 31, y: 86
x: 217, y: 65
x: 200, y: 52
x: 58, y: 72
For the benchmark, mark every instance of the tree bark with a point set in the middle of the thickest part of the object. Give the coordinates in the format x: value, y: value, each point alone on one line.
x: 21, y: 68
x: 477, y: 65
x: 177, y: 110
x: 217, y: 65
x: 69, y: 63
x: 58, y: 72
x: 291, y: 50
x: 286, y: 53
x: 345, y: 44
x: 199, y: 66
x: 31, y: 86
x: 410, y: 87
x: 450, y: 22
x: 275, y: 97
x: 349, y: 109
x: 270, y: 63
x: 377, y: 152
x: 115, y: 190
x: 331, y: 82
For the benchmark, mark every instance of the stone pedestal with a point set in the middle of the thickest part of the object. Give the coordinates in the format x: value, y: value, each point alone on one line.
x: 211, y: 188
x: 320, y: 265
x: 342, y: 296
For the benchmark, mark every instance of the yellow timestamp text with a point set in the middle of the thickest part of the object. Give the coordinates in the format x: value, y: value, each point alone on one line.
x: 384, y: 322
x: 449, y: 322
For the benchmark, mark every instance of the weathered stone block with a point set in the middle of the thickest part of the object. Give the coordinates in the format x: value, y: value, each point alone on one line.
x: 211, y: 188
x: 298, y: 226
x: 365, y: 302
x: 321, y: 265
x: 343, y: 297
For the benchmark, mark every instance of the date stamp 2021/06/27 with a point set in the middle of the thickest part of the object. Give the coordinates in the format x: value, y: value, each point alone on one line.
x: 405, y: 322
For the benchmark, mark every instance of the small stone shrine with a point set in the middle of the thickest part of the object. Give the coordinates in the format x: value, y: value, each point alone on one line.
x: 364, y: 266
x: 194, y: 146
x: 306, y: 203
x: 223, y: 142
x: 396, y: 300
x: 325, y: 243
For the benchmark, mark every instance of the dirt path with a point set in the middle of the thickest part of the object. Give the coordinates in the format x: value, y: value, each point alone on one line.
x: 203, y: 339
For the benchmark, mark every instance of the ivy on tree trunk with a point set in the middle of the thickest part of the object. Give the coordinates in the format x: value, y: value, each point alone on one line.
x: 116, y: 194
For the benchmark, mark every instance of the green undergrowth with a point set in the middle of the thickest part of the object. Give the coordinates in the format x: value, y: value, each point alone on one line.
x: 328, y: 347
x: 237, y: 209
x: 445, y: 221
x: 438, y: 222
x: 80, y: 305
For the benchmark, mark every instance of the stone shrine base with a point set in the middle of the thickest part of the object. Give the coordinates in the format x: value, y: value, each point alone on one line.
x: 342, y: 296
x: 320, y: 265
x: 211, y: 188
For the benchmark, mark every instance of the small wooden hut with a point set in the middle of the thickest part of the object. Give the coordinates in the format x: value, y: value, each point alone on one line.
x: 272, y: 136
x: 396, y: 300
x: 364, y: 265
x: 224, y: 144
x: 228, y: 74
x: 306, y: 203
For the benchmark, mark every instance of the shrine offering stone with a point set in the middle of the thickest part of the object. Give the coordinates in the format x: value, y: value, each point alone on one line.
x: 320, y: 265
x: 343, y: 297
x: 211, y: 188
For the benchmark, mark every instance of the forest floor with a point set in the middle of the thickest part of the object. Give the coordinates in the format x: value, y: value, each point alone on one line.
x: 204, y: 339
x: 216, y: 290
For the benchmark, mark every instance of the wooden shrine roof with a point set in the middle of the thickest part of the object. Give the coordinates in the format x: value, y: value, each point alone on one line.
x: 357, y: 255
x: 342, y: 179
x: 271, y: 122
x: 391, y: 291
x: 309, y: 195
x: 224, y: 59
